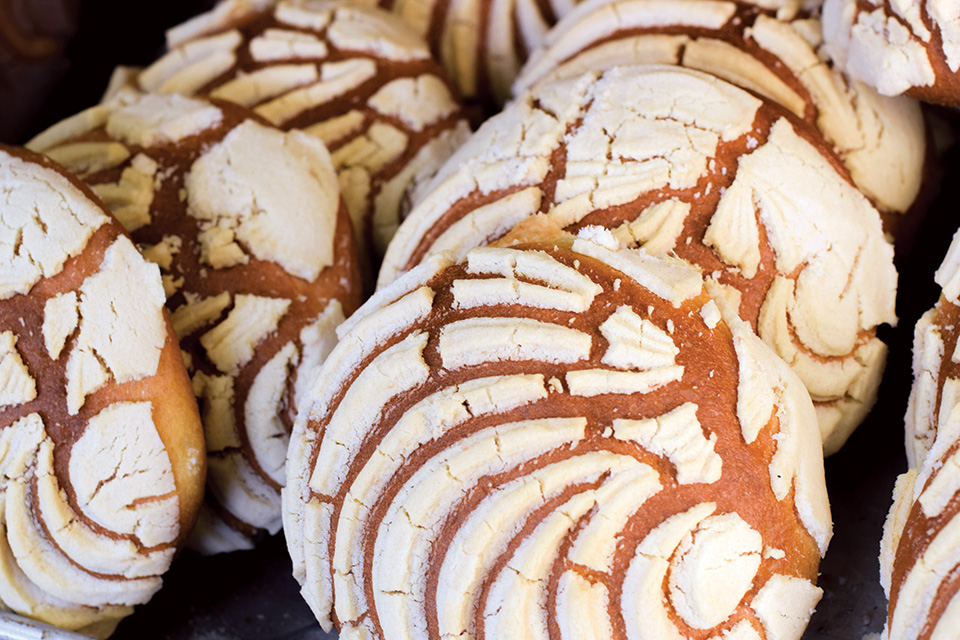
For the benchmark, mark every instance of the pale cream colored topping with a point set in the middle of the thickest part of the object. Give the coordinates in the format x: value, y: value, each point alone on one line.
x: 876, y: 48
x: 129, y: 199
x: 315, y: 16
x: 517, y: 601
x: 430, y: 418
x: 672, y: 279
x: 282, y: 44
x: 478, y: 340
x: 240, y: 192
x: 485, y: 534
x: 317, y: 340
x: 646, y: 618
x: 415, y: 516
x: 265, y: 428
x: 198, y: 312
x: 386, y: 36
x: 250, y: 89
x: 617, y: 499
x: 881, y: 141
x: 122, y: 474
x: 336, y: 79
x: 151, y: 120
x: 656, y: 229
x: 187, y: 67
x: 240, y: 489
x: 232, y: 343
x: 60, y: 318
x: 70, y: 128
x: 44, y: 220
x: 123, y: 482
x: 89, y: 157
x: 714, y: 567
x: 784, y: 605
x: 17, y: 386
x: 122, y: 327
x: 219, y: 422
x: 679, y: 436
x: 163, y: 253
x: 362, y: 442
x: 636, y: 343
x: 397, y: 369
x: 418, y: 102
x: 893, y: 526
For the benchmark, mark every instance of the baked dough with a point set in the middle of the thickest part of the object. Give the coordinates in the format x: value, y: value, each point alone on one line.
x: 355, y: 77
x: 679, y: 162
x: 101, y: 449
x: 920, y: 551
x: 907, y: 46
x: 259, y: 265
x: 881, y: 140
x: 550, y: 437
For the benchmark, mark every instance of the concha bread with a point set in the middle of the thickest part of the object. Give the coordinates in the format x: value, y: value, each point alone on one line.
x: 101, y: 448
x: 355, y: 77
x: 909, y: 46
x: 259, y: 265
x: 881, y: 140
x: 678, y: 162
x: 556, y: 438
x: 920, y: 551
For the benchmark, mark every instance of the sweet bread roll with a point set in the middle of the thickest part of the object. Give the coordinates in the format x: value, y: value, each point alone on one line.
x: 920, y: 552
x: 101, y: 450
x: 356, y: 77
x: 908, y: 47
x: 676, y: 161
x: 556, y: 440
x: 881, y: 140
x: 259, y: 266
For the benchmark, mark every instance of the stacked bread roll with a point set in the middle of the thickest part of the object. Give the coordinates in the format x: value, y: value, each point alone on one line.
x: 910, y: 47
x: 357, y: 78
x: 741, y: 189
x: 556, y: 438
x: 920, y: 552
x: 101, y: 449
x: 617, y: 328
x: 259, y: 266
x: 880, y: 140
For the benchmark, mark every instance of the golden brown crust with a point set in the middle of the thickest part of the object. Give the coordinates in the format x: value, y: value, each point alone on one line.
x: 504, y: 398
x: 259, y: 265
x: 102, y: 445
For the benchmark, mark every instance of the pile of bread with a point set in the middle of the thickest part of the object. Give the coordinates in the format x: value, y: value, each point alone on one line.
x: 614, y: 332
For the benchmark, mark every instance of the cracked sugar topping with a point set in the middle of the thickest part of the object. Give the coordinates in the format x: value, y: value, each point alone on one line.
x: 355, y: 77
x: 258, y: 265
x: 739, y: 189
x: 102, y: 449
x: 881, y: 141
x: 587, y: 459
x: 909, y: 46
x: 918, y: 553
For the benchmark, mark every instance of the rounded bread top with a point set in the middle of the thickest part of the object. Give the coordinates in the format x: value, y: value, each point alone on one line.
x: 259, y: 265
x: 676, y: 161
x: 550, y: 434
x: 356, y: 77
x: 909, y: 47
x: 881, y: 141
x: 919, y: 551
x: 102, y: 451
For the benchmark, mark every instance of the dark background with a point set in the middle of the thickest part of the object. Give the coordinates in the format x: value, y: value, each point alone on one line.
x: 250, y: 595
